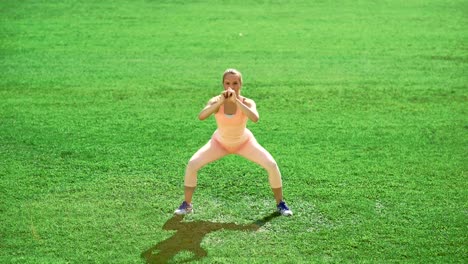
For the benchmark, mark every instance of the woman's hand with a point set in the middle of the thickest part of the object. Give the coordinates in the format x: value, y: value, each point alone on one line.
x: 220, y: 99
x: 230, y: 95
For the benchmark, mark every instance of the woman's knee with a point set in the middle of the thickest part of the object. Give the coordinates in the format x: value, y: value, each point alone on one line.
x: 270, y: 165
x: 193, y: 165
x: 191, y: 173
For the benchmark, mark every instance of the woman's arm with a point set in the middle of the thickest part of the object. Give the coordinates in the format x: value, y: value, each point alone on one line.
x: 249, y: 108
x: 211, y: 107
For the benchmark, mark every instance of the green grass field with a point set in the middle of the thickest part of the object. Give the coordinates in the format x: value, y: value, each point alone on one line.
x: 362, y: 103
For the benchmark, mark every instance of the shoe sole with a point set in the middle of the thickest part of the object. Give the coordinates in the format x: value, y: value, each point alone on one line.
x: 183, y: 213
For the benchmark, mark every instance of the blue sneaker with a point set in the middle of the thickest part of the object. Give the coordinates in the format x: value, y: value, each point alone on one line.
x: 184, y: 208
x: 284, y: 209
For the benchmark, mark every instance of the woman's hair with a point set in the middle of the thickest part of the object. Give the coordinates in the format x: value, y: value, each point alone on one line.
x: 232, y: 71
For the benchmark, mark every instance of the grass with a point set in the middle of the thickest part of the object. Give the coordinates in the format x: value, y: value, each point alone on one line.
x: 362, y: 103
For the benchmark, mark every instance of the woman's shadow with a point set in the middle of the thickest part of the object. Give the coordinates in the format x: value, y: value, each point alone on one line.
x: 189, y: 236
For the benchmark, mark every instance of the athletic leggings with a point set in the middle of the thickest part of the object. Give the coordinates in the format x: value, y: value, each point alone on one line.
x: 216, y: 149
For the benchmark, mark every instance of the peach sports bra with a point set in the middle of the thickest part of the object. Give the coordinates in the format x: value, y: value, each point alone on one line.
x: 231, y: 127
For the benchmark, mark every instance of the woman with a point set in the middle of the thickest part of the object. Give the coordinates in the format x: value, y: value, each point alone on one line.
x: 231, y: 112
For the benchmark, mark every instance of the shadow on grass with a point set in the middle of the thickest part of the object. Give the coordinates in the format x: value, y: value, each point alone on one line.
x: 189, y: 236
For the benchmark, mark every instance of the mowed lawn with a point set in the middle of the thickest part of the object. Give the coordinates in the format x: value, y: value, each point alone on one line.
x: 362, y: 103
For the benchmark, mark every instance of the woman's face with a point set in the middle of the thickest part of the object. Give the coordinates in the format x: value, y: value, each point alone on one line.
x: 232, y: 81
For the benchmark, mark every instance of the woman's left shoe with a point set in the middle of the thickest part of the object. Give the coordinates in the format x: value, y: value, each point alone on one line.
x: 284, y: 209
x: 184, y: 208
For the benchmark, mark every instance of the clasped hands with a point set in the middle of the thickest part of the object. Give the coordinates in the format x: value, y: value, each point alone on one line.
x: 229, y: 95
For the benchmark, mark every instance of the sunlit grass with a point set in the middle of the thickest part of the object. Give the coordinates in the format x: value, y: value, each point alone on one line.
x: 363, y: 105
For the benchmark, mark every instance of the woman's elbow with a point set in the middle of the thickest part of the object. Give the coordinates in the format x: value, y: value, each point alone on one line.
x: 202, y: 116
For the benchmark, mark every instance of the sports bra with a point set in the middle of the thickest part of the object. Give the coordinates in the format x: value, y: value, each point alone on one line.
x: 231, y: 125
